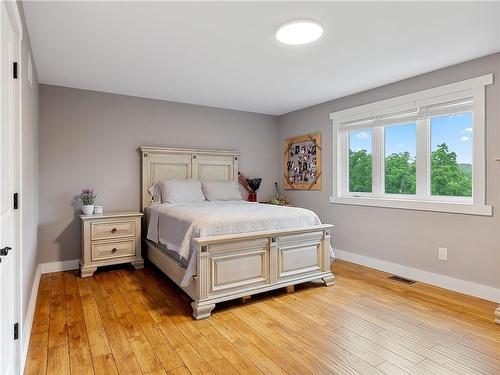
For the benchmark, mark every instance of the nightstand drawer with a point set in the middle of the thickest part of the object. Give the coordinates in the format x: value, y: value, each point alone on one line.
x: 114, y: 229
x: 115, y: 249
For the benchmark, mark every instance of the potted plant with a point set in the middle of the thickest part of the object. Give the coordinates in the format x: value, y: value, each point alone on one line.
x: 88, y: 198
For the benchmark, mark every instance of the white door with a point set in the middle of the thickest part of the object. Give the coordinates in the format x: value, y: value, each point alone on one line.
x: 7, y: 215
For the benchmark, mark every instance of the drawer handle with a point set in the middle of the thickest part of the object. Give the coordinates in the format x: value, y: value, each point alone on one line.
x: 113, y: 250
x: 113, y: 230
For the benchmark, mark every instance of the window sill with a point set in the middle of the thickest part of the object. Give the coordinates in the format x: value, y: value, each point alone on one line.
x: 449, y: 207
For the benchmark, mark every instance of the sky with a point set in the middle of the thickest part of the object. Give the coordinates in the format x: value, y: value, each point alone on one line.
x: 454, y: 130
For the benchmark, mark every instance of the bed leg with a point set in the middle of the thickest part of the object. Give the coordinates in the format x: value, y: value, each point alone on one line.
x: 202, y: 312
x: 290, y: 289
x: 246, y: 299
x: 329, y: 280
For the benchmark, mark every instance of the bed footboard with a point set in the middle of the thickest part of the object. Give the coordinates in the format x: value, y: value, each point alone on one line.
x: 239, y: 265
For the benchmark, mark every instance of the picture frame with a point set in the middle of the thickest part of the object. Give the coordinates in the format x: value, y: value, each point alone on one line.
x: 302, y: 162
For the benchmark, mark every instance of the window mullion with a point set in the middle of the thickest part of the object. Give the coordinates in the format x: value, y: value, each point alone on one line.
x: 423, y: 159
x: 377, y: 160
x: 344, y: 157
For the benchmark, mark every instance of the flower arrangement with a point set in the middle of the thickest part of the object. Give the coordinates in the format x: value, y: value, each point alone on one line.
x: 251, y: 185
x: 87, y: 197
x: 254, y: 183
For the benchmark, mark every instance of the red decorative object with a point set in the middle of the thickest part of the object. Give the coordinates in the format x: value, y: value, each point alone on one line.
x: 250, y: 185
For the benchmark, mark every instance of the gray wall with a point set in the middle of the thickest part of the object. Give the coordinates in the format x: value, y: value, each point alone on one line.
x: 29, y: 197
x: 407, y: 237
x: 90, y: 139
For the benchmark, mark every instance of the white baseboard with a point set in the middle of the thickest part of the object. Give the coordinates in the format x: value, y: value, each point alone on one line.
x: 457, y: 285
x: 30, y: 313
x: 65, y: 265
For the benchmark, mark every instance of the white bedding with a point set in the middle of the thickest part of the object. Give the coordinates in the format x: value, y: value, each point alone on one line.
x: 176, y: 225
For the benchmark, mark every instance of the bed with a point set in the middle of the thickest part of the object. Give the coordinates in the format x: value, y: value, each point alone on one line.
x: 217, y: 251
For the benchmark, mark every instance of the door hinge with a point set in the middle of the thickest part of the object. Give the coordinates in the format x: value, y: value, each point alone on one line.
x: 16, y: 201
x: 16, y: 331
x: 14, y: 70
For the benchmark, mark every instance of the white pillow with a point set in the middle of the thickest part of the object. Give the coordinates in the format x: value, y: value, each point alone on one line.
x: 221, y: 190
x: 155, y: 192
x: 181, y: 191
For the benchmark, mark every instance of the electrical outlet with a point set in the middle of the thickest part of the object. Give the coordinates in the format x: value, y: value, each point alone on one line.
x: 442, y: 253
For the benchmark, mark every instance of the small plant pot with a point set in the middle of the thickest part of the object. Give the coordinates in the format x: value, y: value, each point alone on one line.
x: 88, y: 209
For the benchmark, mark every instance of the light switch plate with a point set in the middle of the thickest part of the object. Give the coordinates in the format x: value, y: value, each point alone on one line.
x: 442, y: 253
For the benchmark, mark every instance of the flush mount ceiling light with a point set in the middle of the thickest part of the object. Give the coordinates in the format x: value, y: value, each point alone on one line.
x: 299, y: 32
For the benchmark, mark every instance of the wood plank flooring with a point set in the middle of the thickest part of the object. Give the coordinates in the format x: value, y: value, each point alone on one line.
x: 123, y: 321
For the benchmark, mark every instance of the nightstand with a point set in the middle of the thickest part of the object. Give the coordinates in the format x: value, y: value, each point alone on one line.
x: 110, y: 238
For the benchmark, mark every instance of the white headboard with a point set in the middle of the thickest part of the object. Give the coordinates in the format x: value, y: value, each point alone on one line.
x: 164, y: 163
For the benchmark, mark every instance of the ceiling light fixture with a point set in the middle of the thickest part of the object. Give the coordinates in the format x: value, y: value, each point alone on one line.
x: 298, y: 32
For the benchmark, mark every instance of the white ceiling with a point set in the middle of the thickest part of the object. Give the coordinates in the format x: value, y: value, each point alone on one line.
x: 225, y: 54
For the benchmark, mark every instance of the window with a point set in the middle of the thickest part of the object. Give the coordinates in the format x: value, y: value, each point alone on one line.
x: 422, y: 151
x: 451, y: 156
x: 360, y: 161
x: 400, y: 166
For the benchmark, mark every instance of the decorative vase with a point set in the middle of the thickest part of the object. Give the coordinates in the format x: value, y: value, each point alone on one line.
x: 254, y: 184
x: 88, y: 209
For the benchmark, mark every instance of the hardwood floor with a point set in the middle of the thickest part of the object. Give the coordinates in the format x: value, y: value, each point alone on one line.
x: 124, y: 321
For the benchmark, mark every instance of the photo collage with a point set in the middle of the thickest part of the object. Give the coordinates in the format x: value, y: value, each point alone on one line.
x: 302, y: 163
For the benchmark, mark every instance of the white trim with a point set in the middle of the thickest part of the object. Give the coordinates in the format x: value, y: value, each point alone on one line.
x: 479, y: 147
x: 467, y: 84
x: 65, y: 265
x: 413, y: 204
x: 473, y: 89
x: 457, y: 285
x: 28, y: 321
x: 29, y: 74
x: 378, y: 164
x: 13, y: 11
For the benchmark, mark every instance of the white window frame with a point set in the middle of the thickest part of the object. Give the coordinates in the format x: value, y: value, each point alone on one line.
x: 371, y: 113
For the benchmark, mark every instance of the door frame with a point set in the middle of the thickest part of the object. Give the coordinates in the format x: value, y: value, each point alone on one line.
x: 17, y: 25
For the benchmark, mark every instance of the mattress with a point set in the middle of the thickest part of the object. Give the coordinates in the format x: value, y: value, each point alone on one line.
x: 176, y: 225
